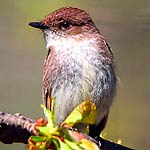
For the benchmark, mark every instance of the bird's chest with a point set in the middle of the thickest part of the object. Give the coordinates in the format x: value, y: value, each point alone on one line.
x: 76, y: 72
x: 72, y: 70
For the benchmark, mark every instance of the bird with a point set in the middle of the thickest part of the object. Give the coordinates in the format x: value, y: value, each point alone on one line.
x: 79, y: 65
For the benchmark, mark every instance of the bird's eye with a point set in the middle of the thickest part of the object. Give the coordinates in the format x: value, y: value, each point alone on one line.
x: 65, y: 24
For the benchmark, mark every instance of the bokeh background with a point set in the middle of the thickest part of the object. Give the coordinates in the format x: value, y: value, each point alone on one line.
x: 126, y: 25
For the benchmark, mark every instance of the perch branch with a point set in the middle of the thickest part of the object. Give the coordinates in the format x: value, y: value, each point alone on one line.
x: 16, y: 128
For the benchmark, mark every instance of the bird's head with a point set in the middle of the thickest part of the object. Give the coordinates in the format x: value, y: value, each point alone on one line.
x: 66, y: 22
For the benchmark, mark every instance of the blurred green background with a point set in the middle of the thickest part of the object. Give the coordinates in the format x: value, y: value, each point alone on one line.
x: 126, y: 25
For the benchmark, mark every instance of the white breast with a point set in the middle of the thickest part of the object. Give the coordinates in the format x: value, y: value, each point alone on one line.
x: 82, y: 75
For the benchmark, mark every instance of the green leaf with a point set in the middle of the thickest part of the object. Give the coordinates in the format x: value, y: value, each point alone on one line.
x: 83, y: 113
x: 72, y: 145
x: 49, y: 116
x: 38, y: 138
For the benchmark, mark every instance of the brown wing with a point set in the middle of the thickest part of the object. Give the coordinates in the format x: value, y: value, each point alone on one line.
x: 105, y: 50
x: 47, y: 99
x: 51, y: 71
x: 46, y: 90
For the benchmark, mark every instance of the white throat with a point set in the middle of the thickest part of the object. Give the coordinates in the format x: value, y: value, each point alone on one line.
x: 59, y: 41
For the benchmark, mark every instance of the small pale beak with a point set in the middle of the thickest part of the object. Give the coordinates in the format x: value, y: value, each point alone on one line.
x: 39, y: 25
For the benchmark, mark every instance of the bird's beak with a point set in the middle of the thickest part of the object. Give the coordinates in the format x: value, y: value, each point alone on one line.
x: 39, y: 25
